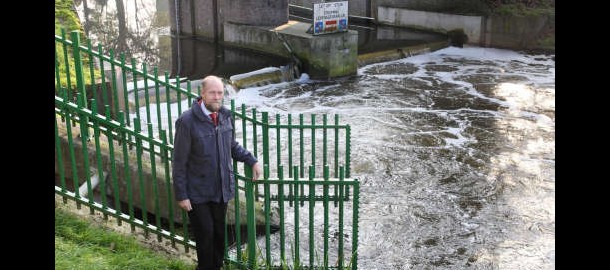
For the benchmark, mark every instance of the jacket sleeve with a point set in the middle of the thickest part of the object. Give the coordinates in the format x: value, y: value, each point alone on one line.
x: 241, y: 154
x: 182, y: 148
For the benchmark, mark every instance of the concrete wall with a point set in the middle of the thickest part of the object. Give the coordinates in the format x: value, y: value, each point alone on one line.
x: 263, y: 13
x: 193, y: 19
x: 432, y: 21
x: 197, y: 17
x: 354, y: 7
x: 518, y: 32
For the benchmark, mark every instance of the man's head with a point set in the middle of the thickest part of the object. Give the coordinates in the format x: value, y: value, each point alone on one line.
x: 212, y: 92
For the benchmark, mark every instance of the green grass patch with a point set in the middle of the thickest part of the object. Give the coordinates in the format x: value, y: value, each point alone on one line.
x: 82, y: 245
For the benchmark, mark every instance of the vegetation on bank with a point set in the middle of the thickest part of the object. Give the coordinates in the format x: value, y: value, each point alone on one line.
x: 67, y: 19
x: 80, y: 244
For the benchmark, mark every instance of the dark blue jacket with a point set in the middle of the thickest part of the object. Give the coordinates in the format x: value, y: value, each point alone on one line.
x: 202, y: 166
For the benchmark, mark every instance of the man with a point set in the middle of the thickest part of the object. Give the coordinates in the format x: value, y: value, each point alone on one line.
x: 202, y: 169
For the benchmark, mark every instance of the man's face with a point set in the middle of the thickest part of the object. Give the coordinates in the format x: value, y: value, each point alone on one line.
x: 212, y: 95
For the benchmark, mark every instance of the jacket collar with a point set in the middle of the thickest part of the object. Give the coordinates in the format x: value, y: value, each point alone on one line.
x: 222, y: 113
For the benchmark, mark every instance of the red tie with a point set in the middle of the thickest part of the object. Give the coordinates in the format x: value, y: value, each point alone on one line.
x: 214, y: 117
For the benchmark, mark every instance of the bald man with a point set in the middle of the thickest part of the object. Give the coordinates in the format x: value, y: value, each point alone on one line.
x: 202, y: 169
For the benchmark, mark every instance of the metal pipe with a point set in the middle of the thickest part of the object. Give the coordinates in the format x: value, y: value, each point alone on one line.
x: 178, y: 31
x: 95, y: 181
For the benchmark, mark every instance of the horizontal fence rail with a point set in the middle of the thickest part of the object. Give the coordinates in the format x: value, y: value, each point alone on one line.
x: 114, y: 143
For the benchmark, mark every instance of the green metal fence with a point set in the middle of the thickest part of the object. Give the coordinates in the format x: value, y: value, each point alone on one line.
x: 113, y: 139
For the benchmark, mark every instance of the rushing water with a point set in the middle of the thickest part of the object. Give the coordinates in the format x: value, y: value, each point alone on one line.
x: 454, y: 150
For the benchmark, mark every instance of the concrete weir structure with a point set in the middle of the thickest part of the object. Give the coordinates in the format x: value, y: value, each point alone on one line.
x: 322, y: 56
x: 264, y: 26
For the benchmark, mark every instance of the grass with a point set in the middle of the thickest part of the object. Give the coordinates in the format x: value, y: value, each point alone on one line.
x: 80, y: 244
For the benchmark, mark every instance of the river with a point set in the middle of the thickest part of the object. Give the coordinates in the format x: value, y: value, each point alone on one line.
x: 455, y: 153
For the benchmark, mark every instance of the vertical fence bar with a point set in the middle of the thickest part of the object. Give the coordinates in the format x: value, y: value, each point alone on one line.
x: 67, y: 63
x: 78, y: 69
x: 189, y: 97
x: 236, y: 203
x: 280, y: 194
x: 336, y: 170
x: 113, y: 174
x: 313, y: 141
x: 290, y: 142
x: 91, y: 68
x: 60, y: 161
x: 301, y: 145
x: 125, y: 93
x: 58, y: 86
x: 297, y: 232
x: 139, y: 153
x: 347, y: 152
x: 265, y: 126
x: 72, y: 158
x: 136, y: 90
x: 168, y: 99
x: 164, y: 149
x: 325, y: 204
x: 158, y: 100
x: 115, y: 91
x: 254, y: 132
x: 255, y: 146
x: 83, y: 121
x: 355, y: 209
x: 324, y: 139
x: 179, y: 96
x: 103, y: 76
x: 127, y: 170
x: 100, y: 167
x: 278, y: 145
x: 311, y: 217
x: 341, y: 186
x: 251, y: 219
x: 153, y: 175
x: 146, y: 93
x: 267, y: 191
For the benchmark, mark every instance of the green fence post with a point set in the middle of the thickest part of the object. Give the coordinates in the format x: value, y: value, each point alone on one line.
x: 249, y: 186
x: 115, y: 184
x: 311, y: 216
x: 60, y: 161
x: 280, y: 194
x: 267, y: 191
x: 139, y: 153
x: 67, y: 63
x: 325, y: 203
x: 78, y: 69
x: 297, y: 242
x: 265, y: 127
x: 355, y: 210
x: 341, y: 183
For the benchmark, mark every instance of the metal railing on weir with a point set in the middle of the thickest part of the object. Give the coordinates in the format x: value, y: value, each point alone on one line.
x: 113, y: 155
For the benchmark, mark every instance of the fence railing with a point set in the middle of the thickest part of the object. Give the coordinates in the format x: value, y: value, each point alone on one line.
x: 113, y: 155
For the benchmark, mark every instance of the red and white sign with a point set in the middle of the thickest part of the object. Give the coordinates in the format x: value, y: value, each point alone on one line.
x: 330, y: 17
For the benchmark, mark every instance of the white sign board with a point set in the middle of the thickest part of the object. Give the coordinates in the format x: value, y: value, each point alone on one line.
x: 329, y: 17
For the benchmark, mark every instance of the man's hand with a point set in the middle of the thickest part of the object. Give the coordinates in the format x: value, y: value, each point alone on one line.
x: 185, y: 204
x: 257, y: 171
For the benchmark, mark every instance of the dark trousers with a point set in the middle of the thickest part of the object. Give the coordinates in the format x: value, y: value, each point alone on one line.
x: 208, y: 221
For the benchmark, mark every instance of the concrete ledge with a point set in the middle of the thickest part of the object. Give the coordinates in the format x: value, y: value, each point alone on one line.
x: 399, y: 53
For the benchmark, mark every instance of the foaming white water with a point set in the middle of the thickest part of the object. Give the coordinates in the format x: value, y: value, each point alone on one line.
x: 455, y: 153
